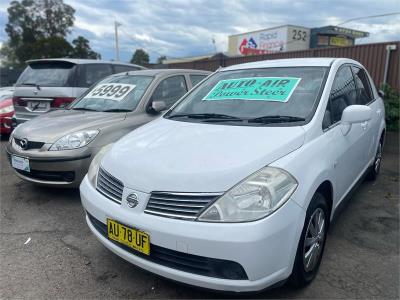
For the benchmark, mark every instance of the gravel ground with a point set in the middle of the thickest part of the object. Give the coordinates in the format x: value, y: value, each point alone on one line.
x: 64, y: 260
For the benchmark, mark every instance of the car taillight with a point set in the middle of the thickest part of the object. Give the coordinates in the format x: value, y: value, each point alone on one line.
x: 17, y: 101
x: 61, y: 101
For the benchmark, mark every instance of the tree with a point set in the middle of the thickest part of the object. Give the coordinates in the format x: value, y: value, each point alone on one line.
x: 140, y: 57
x: 51, y: 47
x: 82, y: 49
x: 37, y: 28
x: 7, y: 56
x: 161, y: 59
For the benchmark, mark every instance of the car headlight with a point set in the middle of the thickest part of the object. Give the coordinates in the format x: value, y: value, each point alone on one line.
x: 6, y: 109
x: 256, y: 197
x: 95, y: 164
x: 74, y: 140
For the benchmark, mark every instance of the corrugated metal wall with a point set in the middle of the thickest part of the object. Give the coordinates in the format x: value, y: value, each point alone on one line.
x: 372, y: 56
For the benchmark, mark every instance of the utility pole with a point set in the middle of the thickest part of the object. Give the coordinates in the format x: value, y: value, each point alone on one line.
x: 116, y: 24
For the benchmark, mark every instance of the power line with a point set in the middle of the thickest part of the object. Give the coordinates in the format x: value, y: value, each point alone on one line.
x: 368, y: 17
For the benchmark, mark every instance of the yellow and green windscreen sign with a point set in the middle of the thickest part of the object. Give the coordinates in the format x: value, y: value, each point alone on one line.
x: 277, y: 89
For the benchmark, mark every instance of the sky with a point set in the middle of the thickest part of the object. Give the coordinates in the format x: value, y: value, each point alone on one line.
x: 180, y: 28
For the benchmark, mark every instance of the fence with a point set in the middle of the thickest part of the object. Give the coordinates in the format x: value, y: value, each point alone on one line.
x: 372, y: 56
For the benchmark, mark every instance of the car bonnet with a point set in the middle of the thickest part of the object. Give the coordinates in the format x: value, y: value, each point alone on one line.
x: 167, y: 155
x: 50, y: 127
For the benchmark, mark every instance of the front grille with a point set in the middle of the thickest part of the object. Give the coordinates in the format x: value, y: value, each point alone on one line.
x: 186, y: 206
x: 62, y: 176
x: 29, y: 145
x: 195, y: 264
x: 109, y: 186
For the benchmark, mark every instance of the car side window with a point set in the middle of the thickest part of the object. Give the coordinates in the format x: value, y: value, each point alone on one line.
x: 170, y: 90
x: 195, y: 79
x: 343, y: 94
x: 364, y: 93
x: 92, y: 73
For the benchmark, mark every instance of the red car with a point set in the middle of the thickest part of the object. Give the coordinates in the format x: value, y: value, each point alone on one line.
x: 6, y: 114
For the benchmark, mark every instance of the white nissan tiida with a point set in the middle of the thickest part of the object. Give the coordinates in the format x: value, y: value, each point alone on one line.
x: 234, y: 187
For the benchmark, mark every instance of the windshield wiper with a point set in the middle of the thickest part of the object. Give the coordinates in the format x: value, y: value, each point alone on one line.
x: 84, y: 108
x: 117, y: 110
x: 31, y: 84
x: 207, y: 116
x: 275, y: 119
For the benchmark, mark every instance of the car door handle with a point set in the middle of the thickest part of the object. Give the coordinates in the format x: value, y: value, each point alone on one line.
x: 364, y: 125
x: 379, y: 112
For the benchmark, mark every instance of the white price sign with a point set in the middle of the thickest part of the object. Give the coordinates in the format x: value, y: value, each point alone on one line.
x: 111, y: 91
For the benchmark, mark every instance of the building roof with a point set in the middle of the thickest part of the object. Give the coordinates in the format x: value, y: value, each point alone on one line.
x: 292, y: 62
x: 340, y: 30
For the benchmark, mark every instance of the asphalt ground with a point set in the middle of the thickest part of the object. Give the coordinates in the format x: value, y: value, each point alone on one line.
x: 64, y: 260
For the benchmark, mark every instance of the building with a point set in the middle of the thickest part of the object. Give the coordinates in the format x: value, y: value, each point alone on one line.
x: 271, y: 40
x: 291, y: 38
x: 334, y: 36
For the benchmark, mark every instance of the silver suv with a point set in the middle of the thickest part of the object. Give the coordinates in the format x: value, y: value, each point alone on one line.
x: 49, y: 84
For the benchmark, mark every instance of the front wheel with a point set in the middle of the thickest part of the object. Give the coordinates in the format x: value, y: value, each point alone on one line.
x: 312, y: 242
x: 375, y: 168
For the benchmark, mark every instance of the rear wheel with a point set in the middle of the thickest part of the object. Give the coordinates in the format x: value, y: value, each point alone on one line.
x: 312, y: 242
x: 375, y: 168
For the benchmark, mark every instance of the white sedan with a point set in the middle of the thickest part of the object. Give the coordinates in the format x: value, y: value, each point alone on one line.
x: 235, y: 186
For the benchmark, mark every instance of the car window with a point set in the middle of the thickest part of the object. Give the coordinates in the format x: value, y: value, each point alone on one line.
x: 91, y: 73
x: 195, y: 79
x: 49, y: 74
x: 364, y: 94
x: 343, y: 94
x: 268, y: 93
x: 170, y: 90
x: 116, y: 93
x: 123, y: 68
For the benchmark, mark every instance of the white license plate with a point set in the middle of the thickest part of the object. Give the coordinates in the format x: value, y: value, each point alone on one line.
x: 20, y: 163
x: 38, y: 105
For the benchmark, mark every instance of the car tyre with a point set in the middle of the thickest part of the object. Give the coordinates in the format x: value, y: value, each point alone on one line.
x: 312, y: 242
x: 376, y: 166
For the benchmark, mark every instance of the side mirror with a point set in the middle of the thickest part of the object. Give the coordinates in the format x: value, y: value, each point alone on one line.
x: 158, y: 106
x: 355, y: 114
x: 381, y: 93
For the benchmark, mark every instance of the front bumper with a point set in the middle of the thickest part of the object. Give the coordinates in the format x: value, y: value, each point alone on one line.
x: 265, y: 249
x: 57, y: 169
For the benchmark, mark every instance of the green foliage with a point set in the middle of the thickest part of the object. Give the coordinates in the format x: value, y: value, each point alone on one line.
x: 38, y: 29
x: 7, y: 56
x: 391, y: 99
x: 82, y: 49
x: 161, y: 59
x: 140, y: 57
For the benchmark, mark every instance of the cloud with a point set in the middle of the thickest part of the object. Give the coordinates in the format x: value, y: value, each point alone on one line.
x: 179, y: 28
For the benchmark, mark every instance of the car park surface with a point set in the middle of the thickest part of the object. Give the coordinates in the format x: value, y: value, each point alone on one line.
x: 234, y: 188
x: 64, y: 259
x: 94, y: 121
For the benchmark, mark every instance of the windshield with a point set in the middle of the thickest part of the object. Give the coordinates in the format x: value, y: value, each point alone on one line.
x: 49, y: 74
x: 254, y: 96
x: 114, y: 94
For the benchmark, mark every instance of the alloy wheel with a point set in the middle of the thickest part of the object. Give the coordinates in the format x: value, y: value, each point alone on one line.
x: 378, y: 158
x: 314, y: 240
